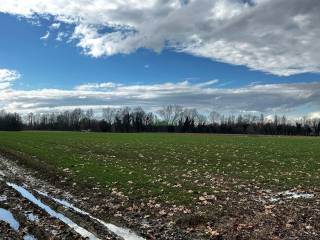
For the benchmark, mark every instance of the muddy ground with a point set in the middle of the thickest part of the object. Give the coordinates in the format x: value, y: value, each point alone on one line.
x: 240, y: 212
x: 21, y: 218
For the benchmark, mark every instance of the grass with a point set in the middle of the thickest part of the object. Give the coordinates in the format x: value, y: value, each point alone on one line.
x: 169, y: 166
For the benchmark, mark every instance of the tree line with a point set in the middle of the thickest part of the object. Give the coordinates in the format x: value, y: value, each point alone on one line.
x: 171, y: 118
x: 10, y: 121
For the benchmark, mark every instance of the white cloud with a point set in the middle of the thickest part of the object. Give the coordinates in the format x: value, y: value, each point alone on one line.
x: 314, y: 115
x: 208, y: 83
x: 55, y: 26
x: 96, y: 86
x: 7, y: 77
x: 46, y: 36
x: 268, y: 98
x: 275, y: 36
x: 62, y: 36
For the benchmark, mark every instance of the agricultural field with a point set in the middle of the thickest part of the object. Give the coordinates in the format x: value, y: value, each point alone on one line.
x: 183, y: 186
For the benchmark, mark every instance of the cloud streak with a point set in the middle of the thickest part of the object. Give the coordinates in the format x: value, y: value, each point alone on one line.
x: 274, y: 36
x: 46, y: 36
x: 266, y: 98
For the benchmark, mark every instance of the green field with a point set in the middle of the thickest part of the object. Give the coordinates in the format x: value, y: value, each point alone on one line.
x: 176, y: 168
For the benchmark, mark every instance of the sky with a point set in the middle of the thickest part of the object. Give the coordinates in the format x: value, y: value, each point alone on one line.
x: 229, y: 56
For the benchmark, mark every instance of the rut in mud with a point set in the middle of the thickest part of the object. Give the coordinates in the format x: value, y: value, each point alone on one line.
x: 34, y: 209
x: 28, y: 213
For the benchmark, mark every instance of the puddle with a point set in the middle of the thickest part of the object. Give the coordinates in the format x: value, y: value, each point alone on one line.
x: 290, y: 195
x: 124, y: 233
x: 26, y: 194
x: 29, y: 237
x: 7, y: 217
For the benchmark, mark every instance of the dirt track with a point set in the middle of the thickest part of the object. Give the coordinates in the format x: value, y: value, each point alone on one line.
x: 39, y: 217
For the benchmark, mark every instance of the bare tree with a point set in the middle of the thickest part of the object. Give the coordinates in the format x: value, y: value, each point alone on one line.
x: 30, y: 119
x: 193, y: 115
x: 315, y: 124
x: 109, y: 114
x: 214, y: 117
x: 170, y: 114
x: 201, y: 119
x: 89, y: 113
x: 138, y: 118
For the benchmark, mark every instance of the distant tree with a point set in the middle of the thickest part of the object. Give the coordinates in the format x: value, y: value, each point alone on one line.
x: 172, y: 118
x: 214, y: 117
x: 201, y: 119
x: 138, y: 118
x: 109, y: 114
x: 10, y: 121
x: 89, y: 113
x: 170, y: 114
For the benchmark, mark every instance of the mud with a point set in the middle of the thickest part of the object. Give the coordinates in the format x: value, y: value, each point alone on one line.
x: 27, y: 213
x: 54, y: 209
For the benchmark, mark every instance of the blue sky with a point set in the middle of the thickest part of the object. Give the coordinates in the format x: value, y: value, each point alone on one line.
x: 54, y: 64
x: 90, y: 53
